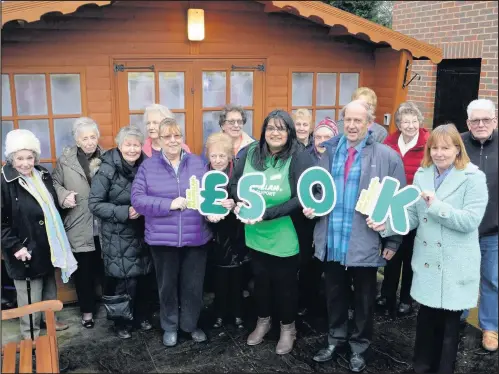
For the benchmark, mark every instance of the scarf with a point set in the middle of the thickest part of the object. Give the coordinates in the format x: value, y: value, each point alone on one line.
x: 60, y: 249
x: 340, y: 221
x: 84, y: 161
x: 129, y: 171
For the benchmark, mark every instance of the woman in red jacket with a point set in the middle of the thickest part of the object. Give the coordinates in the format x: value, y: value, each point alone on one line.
x: 409, y: 142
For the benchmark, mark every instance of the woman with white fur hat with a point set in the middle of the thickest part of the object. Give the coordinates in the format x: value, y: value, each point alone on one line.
x: 32, y: 228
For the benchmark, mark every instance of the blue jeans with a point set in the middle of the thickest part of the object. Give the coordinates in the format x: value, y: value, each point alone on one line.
x: 487, y: 310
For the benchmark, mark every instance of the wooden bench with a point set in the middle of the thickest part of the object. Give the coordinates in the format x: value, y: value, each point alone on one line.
x: 47, y: 352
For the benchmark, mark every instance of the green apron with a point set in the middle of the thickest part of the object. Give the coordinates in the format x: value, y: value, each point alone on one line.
x: 276, y: 237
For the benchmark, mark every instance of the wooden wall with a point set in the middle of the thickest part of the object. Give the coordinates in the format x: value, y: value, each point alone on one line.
x: 91, y: 38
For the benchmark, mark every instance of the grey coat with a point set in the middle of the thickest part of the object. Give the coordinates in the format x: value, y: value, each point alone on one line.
x: 68, y: 176
x: 366, y: 246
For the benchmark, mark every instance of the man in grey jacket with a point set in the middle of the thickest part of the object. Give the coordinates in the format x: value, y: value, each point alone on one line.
x: 350, y: 250
x: 481, y: 144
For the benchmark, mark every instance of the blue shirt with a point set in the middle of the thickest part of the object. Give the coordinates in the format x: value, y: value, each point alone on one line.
x: 439, y: 178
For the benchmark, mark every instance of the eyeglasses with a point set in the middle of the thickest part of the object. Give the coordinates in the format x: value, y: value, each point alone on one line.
x: 271, y: 129
x: 485, y: 121
x: 406, y: 123
x: 168, y: 137
x: 232, y: 122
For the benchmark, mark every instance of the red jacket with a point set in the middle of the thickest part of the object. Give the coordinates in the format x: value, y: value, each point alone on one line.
x: 414, y: 156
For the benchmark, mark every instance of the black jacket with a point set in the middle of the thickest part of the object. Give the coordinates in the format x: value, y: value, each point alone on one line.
x: 124, y: 250
x: 485, y: 157
x: 229, y: 247
x: 300, y: 161
x: 23, y: 225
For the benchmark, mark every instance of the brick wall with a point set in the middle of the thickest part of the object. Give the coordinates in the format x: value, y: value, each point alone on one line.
x: 463, y: 29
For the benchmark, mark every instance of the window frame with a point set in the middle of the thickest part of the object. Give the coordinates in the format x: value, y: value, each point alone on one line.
x: 50, y: 116
x: 314, y: 107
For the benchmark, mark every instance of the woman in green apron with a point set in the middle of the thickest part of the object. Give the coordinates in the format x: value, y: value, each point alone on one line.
x: 274, y: 240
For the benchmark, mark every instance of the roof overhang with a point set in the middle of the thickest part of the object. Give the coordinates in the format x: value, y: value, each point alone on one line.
x: 31, y: 11
x: 337, y: 19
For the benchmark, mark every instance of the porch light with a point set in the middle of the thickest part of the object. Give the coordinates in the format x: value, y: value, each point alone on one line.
x: 195, y: 24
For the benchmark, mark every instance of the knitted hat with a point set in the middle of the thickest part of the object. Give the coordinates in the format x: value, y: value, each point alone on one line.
x: 328, y: 123
x: 19, y: 139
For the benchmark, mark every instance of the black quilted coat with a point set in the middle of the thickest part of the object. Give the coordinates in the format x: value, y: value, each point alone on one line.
x: 124, y: 250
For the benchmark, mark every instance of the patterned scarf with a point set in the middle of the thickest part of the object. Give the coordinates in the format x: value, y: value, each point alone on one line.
x: 60, y: 249
x: 340, y: 220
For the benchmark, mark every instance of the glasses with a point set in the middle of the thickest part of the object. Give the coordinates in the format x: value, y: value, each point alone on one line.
x: 168, y: 137
x: 232, y: 122
x: 485, y: 121
x: 271, y: 129
x: 406, y: 123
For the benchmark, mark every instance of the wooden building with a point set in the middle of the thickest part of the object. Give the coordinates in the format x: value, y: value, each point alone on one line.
x: 109, y: 59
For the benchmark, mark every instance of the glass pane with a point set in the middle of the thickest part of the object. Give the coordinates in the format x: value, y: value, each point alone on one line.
x: 31, y: 95
x: 302, y: 89
x: 326, y: 89
x: 6, y: 102
x: 241, y: 88
x: 66, y: 93
x: 140, y: 90
x: 248, y: 126
x: 6, y: 127
x: 210, y: 123
x: 349, y: 82
x: 39, y: 127
x: 171, y: 90
x: 180, y: 118
x: 137, y: 120
x: 323, y: 113
x: 62, y: 133
x: 48, y: 166
x: 214, y: 89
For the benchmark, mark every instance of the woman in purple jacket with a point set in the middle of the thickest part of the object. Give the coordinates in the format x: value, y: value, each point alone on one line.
x: 177, y: 235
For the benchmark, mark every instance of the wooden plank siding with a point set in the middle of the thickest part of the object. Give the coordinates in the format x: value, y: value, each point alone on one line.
x: 93, y: 38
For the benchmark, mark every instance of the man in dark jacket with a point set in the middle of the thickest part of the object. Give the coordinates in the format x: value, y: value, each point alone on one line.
x: 350, y: 250
x: 481, y: 143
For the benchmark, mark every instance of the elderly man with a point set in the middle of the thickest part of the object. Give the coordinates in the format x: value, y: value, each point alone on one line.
x: 481, y: 144
x: 353, y: 159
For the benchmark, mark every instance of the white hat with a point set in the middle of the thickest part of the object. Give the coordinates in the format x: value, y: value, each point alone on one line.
x: 19, y: 139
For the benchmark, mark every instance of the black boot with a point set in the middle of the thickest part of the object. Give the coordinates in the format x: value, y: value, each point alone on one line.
x: 325, y: 354
x: 357, y: 363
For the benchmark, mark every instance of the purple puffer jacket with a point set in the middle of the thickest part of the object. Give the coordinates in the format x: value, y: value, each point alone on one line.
x: 154, y: 188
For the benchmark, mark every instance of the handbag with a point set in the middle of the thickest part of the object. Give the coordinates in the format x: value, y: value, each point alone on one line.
x: 118, y: 307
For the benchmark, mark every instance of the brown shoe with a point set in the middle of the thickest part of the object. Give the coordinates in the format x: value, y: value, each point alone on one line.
x: 59, y: 326
x: 263, y: 326
x: 489, y: 340
x: 287, y: 339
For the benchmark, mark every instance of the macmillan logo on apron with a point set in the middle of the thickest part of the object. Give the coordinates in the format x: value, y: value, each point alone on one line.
x: 270, y: 188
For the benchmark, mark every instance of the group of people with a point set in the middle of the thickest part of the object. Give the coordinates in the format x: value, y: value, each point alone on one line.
x: 125, y: 210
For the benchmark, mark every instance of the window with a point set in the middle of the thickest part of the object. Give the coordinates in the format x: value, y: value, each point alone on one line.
x: 323, y: 93
x: 46, y: 104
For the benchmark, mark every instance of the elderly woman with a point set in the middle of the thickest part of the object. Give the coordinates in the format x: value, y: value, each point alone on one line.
x: 446, y: 259
x: 177, y: 235
x: 274, y: 241
x: 153, y: 115
x: 229, y: 249
x: 32, y: 229
x: 409, y: 142
x: 72, y: 181
x: 304, y: 127
x: 126, y: 256
x: 231, y: 121
x: 369, y: 96
x: 325, y: 130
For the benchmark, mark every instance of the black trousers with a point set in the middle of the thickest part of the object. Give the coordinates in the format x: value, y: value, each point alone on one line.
x: 437, y: 340
x: 276, y: 279
x: 139, y: 289
x: 228, y: 291
x: 180, y: 277
x: 88, y: 276
x: 338, y: 294
x: 309, y: 278
x: 400, y: 261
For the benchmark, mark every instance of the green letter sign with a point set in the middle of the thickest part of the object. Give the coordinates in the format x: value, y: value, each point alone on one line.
x: 212, y: 193
x: 254, y: 204
x: 307, y: 181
